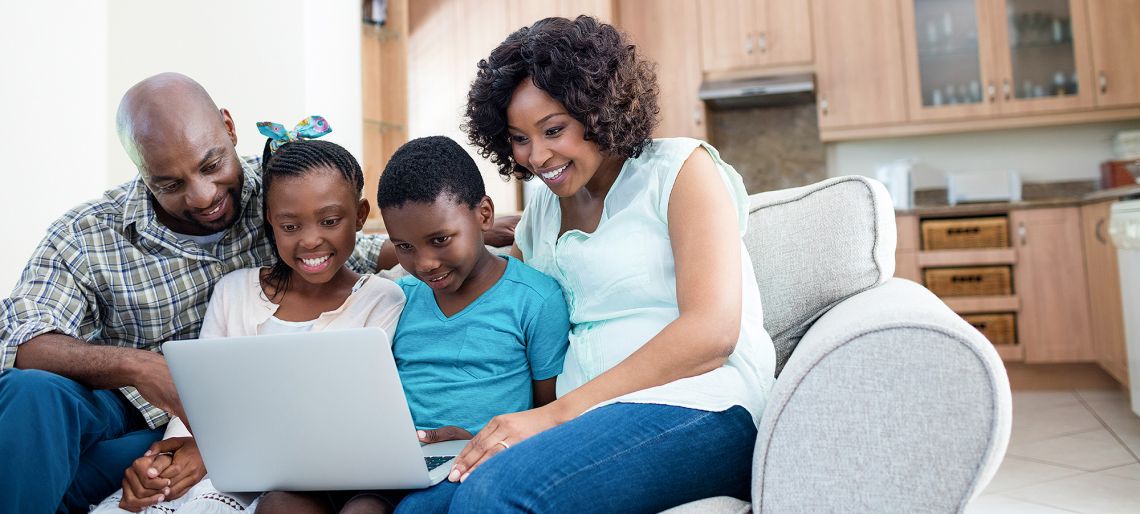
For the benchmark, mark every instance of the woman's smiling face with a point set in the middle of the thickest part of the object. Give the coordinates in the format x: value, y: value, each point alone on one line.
x: 549, y: 142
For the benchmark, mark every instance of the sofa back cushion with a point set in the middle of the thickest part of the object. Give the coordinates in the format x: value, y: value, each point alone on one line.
x: 814, y: 246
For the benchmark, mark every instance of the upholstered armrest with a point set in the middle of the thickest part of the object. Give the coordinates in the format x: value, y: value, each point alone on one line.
x: 890, y: 403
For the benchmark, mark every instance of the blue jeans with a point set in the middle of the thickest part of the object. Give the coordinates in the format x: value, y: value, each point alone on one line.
x: 625, y: 457
x: 64, y: 446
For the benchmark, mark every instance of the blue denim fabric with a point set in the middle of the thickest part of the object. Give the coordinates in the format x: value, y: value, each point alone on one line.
x: 65, y: 446
x: 625, y: 457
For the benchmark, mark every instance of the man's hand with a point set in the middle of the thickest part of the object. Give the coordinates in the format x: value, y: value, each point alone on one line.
x: 155, y: 384
x: 503, y: 232
x: 441, y: 434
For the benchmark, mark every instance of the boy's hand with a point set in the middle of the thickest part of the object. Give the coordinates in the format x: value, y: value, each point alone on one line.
x: 441, y: 434
x: 503, y: 232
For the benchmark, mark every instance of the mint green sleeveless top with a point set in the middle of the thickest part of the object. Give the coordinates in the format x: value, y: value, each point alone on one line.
x: 620, y: 283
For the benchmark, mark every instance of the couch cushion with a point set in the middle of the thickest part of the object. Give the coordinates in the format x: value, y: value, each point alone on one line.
x: 814, y: 246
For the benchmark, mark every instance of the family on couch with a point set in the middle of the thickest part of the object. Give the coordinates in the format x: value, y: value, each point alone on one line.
x: 646, y: 361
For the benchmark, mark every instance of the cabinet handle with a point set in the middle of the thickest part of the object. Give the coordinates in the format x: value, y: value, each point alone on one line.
x: 1005, y: 90
x: 697, y: 116
x: 1103, y: 82
x: 748, y: 43
x: 1021, y: 232
x: 1097, y: 231
x: 762, y: 41
x: 992, y: 91
x: 823, y: 106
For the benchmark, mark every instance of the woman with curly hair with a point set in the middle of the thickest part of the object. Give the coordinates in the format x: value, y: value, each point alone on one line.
x: 669, y: 366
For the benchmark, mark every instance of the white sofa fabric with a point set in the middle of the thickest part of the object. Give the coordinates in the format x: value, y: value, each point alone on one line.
x: 886, y: 400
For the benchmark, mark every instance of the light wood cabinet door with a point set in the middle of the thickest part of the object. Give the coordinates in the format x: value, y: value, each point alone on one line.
x: 667, y: 32
x: 728, y: 31
x: 744, y: 34
x: 1106, y: 311
x: 523, y: 13
x: 859, y: 63
x: 1054, y: 321
x: 1115, y: 36
x: 907, y: 247
x: 785, y: 34
x: 1042, y: 56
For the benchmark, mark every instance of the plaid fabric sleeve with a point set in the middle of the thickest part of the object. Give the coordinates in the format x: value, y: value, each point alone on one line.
x: 366, y: 257
x: 52, y: 295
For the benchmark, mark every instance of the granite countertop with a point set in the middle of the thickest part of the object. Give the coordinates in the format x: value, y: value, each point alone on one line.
x: 1035, y: 196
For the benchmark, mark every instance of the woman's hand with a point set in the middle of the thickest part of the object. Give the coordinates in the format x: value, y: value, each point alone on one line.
x: 165, y: 472
x: 500, y: 434
x: 186, y: 468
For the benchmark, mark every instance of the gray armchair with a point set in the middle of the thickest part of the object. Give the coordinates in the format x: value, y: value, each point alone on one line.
x: 885, y: 401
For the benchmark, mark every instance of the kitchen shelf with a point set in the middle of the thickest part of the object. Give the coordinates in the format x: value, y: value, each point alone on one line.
x: 982, y: 304
x: 972, y: 257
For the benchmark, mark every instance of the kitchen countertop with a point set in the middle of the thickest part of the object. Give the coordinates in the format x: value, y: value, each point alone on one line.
x: 1001, y: 207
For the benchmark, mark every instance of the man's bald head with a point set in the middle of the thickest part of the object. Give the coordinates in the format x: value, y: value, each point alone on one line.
x: 162, y: 106
x: 183, y: 147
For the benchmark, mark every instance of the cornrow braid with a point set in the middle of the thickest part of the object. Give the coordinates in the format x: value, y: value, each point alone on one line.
x: 295, y: 159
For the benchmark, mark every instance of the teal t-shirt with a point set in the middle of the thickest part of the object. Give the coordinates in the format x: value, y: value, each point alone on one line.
x: 465, y: 369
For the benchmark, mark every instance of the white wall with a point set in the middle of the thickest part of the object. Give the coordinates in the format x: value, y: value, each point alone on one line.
x: 52, y: 99
x: 1049, y: 154
x: 68, y: 62
x: 264, y: 60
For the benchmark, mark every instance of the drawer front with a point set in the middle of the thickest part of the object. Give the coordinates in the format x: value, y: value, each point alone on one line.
x: 965, y: 233
x: 969, y: 281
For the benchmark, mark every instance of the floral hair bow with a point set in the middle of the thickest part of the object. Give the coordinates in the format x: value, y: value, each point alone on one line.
x: 309, y: 128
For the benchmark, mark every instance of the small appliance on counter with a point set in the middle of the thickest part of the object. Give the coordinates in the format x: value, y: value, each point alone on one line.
x: 896, y: 176
x: 983, y: 186
x: 1119, y: 173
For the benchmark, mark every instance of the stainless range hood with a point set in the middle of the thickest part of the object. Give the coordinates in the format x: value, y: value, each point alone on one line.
x: 759, y: 91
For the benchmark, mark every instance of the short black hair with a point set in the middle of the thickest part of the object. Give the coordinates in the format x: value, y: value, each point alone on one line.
x: 589, y: 67
x: 295, y: 159
x: 426, y: 168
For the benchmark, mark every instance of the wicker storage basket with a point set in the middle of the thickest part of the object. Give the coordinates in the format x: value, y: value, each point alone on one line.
x: 998, y: 328
x: 951, y: 234
x: 969, y: 281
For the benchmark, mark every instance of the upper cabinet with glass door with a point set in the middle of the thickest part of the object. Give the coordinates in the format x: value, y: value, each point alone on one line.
x: 949, y: 65
x: 976, y: 58
x: 1042, y: 55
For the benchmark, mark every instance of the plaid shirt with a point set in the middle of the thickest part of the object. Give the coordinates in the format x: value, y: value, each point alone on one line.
x: 109, y: 273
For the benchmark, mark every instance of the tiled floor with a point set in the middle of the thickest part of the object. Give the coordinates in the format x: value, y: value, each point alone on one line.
x: 1071, y: 451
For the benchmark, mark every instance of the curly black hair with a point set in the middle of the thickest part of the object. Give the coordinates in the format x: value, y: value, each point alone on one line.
x: 589, y: 67
x: 423, y: 169
x: 295, y: 159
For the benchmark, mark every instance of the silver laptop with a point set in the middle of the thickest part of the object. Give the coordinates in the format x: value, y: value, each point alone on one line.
x: 303, y: 412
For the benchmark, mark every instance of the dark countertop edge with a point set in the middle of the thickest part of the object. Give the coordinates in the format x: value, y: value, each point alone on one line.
x: 1001, y: 207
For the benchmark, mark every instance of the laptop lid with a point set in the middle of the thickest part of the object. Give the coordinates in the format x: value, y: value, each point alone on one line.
x: 304, y: 411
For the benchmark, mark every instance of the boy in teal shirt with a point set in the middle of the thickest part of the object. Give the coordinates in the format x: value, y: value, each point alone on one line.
x: 480, y: 334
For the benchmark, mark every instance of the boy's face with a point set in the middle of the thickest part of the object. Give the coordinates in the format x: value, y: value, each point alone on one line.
x: 440, y: 242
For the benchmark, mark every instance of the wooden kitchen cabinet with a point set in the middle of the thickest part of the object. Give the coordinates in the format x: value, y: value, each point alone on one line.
x: 523, y: 13
x: 858, y: 63
x: 1049, y: 278
x: 666, y: 32
x: 745, y: 34
x: 1107, y: 314
x: 907, y: 247
x: 1115, y: 36
x: 977, y: 59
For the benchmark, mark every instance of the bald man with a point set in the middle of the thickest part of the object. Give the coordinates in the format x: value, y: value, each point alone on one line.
x: 83, y: 389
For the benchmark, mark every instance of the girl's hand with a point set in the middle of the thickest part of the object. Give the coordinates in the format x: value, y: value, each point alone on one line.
x: 441, y: 434
x: 500, y: 434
